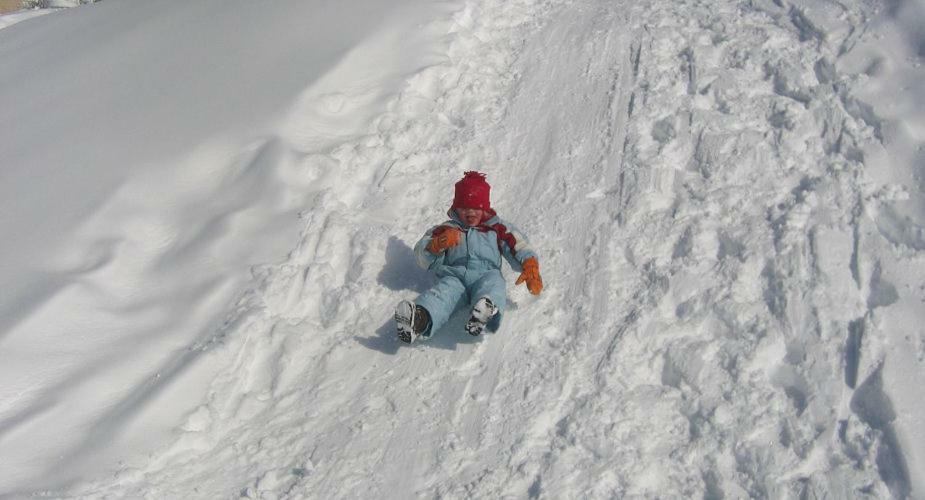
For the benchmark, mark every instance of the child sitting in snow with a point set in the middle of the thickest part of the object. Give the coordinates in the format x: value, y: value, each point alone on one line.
x: 465, y: 255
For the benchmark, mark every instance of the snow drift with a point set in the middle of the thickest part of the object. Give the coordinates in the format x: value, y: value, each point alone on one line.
x: 152, y: 159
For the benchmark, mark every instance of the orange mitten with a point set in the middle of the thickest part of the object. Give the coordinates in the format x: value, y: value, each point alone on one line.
x: 531, y: 275
x: 444, y: 237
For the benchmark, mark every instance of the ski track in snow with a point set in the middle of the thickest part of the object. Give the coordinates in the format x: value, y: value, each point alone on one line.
x: 693, y: 179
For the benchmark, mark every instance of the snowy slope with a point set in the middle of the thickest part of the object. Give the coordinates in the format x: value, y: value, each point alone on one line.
x: 151, y: 161
x: 727, y: 200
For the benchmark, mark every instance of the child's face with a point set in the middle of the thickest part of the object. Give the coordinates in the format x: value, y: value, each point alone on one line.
x: 470, y: 216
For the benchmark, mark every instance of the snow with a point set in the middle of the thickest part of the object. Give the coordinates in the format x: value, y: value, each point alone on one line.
x: 211, y: 232
x: 20, y: 15
x: 169, y: 169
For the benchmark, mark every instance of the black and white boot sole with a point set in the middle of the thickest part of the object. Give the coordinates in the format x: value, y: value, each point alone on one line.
x: 482, y: 312
x: 404, y: 319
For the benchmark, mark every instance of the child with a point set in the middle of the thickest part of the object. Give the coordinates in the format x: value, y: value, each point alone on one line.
x: 465, y: 255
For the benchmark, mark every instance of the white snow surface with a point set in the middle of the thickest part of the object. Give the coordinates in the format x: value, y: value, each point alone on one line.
x: 210, y: 207
x: 21, y: 15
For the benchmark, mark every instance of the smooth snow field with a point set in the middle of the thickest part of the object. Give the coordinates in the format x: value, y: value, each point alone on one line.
x: 209, y: 209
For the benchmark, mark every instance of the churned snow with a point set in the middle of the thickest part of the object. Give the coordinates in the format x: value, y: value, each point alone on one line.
x: 209, y: 209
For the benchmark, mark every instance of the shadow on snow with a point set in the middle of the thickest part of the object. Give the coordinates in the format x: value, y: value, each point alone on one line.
x: 401, y: 273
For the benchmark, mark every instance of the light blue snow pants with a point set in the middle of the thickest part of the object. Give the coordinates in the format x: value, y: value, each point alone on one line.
x: 452, y: 292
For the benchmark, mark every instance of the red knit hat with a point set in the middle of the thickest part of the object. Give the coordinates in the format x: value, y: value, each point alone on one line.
x: 472, y: 192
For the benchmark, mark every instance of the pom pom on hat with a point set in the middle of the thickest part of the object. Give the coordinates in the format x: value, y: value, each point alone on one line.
x: 472, y: 191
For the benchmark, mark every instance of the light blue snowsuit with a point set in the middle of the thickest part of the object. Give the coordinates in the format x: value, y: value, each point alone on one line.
x: 470, y: 270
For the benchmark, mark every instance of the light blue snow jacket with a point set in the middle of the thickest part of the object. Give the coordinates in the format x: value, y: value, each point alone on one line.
x: 471, y: 269
x: 480, y: 248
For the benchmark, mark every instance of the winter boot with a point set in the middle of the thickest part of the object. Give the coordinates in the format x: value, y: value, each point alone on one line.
x: 482, y: 312
x: 411, y: 320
